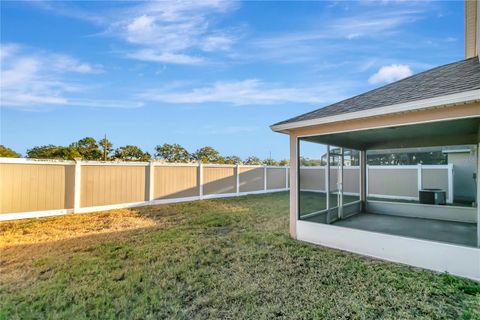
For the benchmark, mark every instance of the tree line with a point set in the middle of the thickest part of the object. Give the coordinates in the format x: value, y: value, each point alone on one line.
x: 89, y: 148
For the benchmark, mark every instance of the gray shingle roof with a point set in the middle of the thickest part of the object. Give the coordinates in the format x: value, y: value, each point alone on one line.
x: 448, y: 79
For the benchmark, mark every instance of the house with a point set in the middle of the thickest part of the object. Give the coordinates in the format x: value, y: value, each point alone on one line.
x: 436, y: 108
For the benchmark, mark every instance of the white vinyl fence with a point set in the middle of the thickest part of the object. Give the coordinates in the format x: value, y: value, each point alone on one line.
x: 387, y: 182
x: 32, y: 188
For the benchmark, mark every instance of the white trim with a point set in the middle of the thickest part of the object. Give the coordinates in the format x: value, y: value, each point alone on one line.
x: 327, y: 185
x: 200, y: 179
x: 450, y: 183
x: 115, y: 163
x: 419, y: 177
x: 265, y: 178
x: 151, y: 181
x: 286, y: 177
x: 35, y: 161
x: 173, y: 200
x: 443, y: 257
x: 385, y: 196
x: 452, y: 99
x: 456, y: 151
x: 77, y: 186
x: 414, y: 166
x: 335, y: 192
x: 332, y: 167
x: 237, y: 176
x: 424, y: 211
x: 113, y: 206
x: 34, y: 214
x: 171, y: 164
x: 433, y: 206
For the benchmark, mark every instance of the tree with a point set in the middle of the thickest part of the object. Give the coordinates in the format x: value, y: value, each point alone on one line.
x: 270, y: 162
x: 88, y: 148
x: 106, y: 148
x: 172, y: 153
x: 284, y: 162
x: 233, y: 160
x: 53, y: 152
x: 208, y: 155
x: 131, y: 153
x: 252, y: 160
x: 8, y: 153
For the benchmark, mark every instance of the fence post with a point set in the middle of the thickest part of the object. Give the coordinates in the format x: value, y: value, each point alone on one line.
x: 77, y: 185
x: 151, y: 180
x: 419, y: 179
x: 450, y: 183
x: 237, y: 174
x: 286, y: 178
x: 264, y: 178
x: 200, y: 179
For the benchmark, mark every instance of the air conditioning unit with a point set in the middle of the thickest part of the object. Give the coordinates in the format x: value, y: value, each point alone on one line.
x: 432, y: 196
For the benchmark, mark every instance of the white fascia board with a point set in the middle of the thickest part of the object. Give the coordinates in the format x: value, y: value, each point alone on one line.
x: 452, y: 99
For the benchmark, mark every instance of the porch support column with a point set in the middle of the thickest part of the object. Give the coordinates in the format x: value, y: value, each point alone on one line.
x: 363, y: 180
x: 327, y: 185
x: 478, y: 193
x: 340, y: 185
x: 294, y: 187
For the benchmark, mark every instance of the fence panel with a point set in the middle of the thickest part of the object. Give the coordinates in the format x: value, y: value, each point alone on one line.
x: 35, y: 187
x: 312, y: 179
x: 276, y: 178
x: 112, y: 184
x: 251, y: 179
x: 219, y: 180
x: 172, y: 182
x: 393, y: 182
x: 435, y: 178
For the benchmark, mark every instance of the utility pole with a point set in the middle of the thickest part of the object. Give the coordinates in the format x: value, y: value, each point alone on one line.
x: 105, y: 148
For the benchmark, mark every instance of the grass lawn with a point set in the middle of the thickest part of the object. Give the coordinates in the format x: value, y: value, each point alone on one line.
x: 227, y: 258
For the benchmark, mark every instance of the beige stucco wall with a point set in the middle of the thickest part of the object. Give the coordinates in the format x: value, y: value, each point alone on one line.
x: 251, y: 179
x: 218, y: 180
x: 276, y: 178
x: 35, y: 187
x: 105, y: 185
x: 176, y: 182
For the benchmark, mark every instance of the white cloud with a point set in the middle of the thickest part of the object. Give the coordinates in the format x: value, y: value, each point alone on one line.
x: 154, y: 56
x: 32, y: 78
x: 391, y: 73
x: 247, y: 92
x: 169, y: 32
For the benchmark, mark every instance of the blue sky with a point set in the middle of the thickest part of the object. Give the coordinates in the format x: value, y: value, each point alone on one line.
x: 207, y: 72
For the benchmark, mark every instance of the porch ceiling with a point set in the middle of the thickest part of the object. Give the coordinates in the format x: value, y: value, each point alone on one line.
x: 442, y: 133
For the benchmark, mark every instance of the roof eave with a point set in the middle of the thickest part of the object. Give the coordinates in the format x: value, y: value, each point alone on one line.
x: 452, y: 99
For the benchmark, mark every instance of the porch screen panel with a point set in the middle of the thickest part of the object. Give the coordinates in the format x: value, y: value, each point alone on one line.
x: 311, y: 178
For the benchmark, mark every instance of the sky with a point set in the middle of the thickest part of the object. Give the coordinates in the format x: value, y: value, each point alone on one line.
x: 204, y: 73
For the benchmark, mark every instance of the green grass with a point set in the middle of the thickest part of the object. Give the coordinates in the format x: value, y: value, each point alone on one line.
x: 227, y: 258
